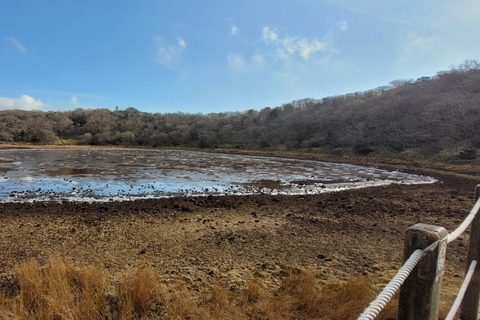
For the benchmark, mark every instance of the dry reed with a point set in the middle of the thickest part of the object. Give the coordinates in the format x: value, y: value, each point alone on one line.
x: 61, y: 290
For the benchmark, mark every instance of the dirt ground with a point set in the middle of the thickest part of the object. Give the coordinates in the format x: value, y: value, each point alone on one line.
x: 233, y: 238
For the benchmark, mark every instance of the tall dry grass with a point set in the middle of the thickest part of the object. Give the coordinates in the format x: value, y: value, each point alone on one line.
x: 60, y: 290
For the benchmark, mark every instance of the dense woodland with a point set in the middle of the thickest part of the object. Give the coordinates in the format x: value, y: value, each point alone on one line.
x: 428, y: 117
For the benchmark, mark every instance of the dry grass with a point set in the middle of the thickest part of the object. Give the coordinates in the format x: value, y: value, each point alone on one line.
x: 58, y: 291
x: 61, y: 290
x: 140, y: 294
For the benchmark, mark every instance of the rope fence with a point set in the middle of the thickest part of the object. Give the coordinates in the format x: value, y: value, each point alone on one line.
x: 464, y: 225
x: 419, y: 279
x: 391, y: 288
x: 461, y: 293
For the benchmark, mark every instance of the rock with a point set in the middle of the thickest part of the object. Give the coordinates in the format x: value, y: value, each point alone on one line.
x: 211, y: 272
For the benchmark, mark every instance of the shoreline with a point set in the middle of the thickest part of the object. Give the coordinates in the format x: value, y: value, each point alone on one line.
x: 232, y: 239
x: 233, y: 175
x: 380, y: 161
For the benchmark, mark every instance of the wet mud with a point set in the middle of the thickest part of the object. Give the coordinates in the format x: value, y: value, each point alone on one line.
x: 105, y: 175
x: 233, y: 238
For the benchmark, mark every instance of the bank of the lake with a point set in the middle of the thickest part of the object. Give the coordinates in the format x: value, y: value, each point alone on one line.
x: 233, y: 238
x: 104, y: 175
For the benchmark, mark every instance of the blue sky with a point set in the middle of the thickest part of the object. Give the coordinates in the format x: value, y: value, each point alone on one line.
x: 214, y: 56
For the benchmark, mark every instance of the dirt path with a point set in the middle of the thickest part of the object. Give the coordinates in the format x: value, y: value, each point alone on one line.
x: 200, y: 240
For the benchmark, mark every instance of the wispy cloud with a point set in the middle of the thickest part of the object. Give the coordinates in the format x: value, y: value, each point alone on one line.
x: 417, y: 49
x: 168, y: 54
x: 23, y: 102
x: 236, y: 62
x: 258, y: 61
x: 461, y: 13
x: 343, y: 26
x: 234, y: 29
x: 287, y: 47
x: 15, y: 43
x: 181, y: 43
x: 240, y: 64
x: 281, y: 52
x: 269, y: 35
x: 378, y: 9
x: 74, y: 100
x: 70, y: 93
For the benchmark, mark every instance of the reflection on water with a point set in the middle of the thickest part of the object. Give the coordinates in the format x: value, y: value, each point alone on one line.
x: 71, y: 171
x: 108, y: 174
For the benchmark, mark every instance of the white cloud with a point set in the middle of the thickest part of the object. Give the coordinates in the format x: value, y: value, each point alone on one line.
x: 429, y: 34
x: 74, y: 100
x: 416, y: 46
x: 234, y: 29
x: 343, y: 26
x: 181, y: 43
x: 415, y: 52
x: 461, y: 14
x: 287, y: 47
x: 240, y: 64
x: 71, y: 93
x: 16, y: 44
x: 293, y: 52
x: 258, y: 61
x: 23, y: 102
x: 307, y: 48
x: 426, y: 13
x: 167, y: 55
x: 269, y: 35
x: 395, y: 12
x: 236, y: 62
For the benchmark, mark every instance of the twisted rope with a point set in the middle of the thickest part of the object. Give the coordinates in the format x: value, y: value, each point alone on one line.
x: 461, y: 293
x: 461, y: 228
x: 392, y: 287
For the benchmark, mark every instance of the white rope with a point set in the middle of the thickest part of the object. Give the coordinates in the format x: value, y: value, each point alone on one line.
x: 461, y: 228
x: 461, y: 293
x: 392, y: 287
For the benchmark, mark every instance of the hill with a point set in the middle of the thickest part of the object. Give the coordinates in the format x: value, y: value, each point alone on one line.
x: 429, y: 117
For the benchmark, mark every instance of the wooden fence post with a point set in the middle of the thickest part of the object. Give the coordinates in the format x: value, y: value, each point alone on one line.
x: 420, y: 293
x: 472, y: 295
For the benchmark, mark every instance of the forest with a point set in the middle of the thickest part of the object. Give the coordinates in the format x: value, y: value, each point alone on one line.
x: 428, y: 117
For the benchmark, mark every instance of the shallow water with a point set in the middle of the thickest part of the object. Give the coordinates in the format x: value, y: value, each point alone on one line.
x: 109, y: 174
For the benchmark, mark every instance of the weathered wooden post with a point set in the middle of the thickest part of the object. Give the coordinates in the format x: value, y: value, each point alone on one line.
x: 472, y: 295
x: 420, y: 293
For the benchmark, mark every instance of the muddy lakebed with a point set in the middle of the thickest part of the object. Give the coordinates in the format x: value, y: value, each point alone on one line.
x: 91, y: 175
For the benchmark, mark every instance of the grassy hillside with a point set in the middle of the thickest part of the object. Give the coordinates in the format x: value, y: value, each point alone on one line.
x: 431, y: 117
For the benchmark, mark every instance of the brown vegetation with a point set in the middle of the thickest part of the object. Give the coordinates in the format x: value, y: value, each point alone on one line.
x: 61, y: 290
x: 431, y: 117
x: 233, y: 257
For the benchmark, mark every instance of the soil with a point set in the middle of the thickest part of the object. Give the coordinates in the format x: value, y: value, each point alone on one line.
x: 233, y: 238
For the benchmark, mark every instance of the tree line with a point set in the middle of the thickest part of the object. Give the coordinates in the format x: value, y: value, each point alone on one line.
x: 426, y: 117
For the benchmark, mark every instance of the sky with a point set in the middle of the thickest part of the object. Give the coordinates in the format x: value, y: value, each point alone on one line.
x: 198, y: 56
